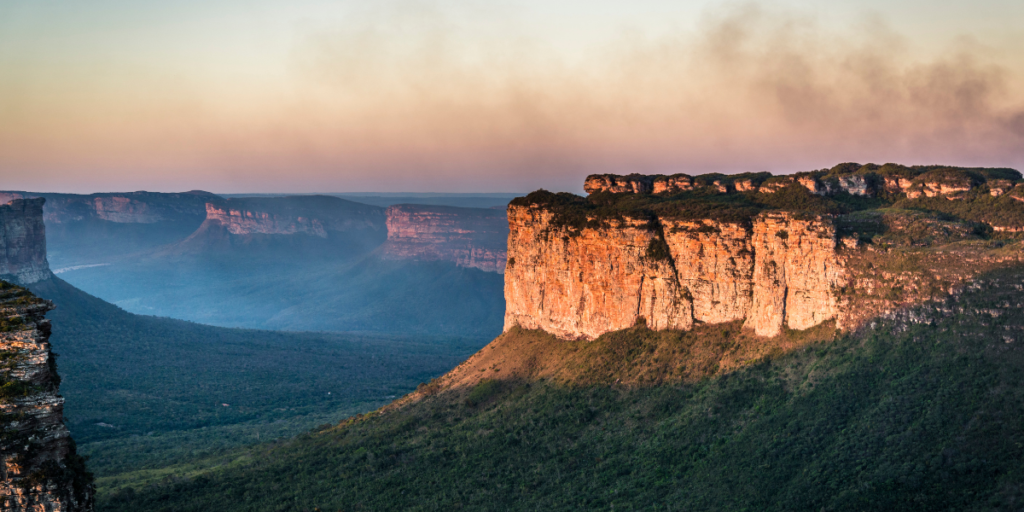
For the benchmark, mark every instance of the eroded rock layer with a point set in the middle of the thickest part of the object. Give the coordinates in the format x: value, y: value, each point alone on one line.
x: 23, y: 241
x: 778, y: 271
x: 39, y: 469
x: 468, y: 237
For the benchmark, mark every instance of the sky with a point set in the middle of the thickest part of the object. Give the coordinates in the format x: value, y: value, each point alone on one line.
x: 495, y: 95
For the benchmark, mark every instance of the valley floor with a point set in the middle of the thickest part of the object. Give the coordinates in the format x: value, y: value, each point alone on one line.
x: 143, y: 393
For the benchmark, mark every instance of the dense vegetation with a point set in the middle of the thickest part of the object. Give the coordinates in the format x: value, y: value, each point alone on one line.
x: 922, y: 412
x: 144, y: 392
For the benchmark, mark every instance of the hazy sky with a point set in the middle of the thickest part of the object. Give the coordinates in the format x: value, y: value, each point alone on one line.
x: 493, y: 95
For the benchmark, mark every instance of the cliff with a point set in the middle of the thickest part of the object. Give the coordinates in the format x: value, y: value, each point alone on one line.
x: 40, y: 468
x: 772, y: 252
x: 777, y: 272
x: 468, y: 237
x: 309, y: 215
x: 23, y: 241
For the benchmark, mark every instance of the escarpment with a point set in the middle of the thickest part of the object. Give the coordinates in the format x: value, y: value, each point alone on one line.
x: 23, y: 240
x: 317, y: 216
x: 40, y: 469
x: 772, y: 252
x: 252, y: 221
x: 119, y: 207
x: 468, y: 237
x: 322, y: 226
x: 775, y: 272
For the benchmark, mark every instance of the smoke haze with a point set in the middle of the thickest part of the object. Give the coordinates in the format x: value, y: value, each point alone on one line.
x: 424, y: 96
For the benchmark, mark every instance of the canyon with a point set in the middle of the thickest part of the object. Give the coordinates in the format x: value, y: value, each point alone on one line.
x: 468, y: 237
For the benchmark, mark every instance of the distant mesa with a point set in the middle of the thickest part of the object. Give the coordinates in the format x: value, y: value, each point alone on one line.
x: 468, y: 237
x: 309, y: 215
x: 322, y: 226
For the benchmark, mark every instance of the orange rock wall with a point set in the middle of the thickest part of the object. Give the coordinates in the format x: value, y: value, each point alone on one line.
x: 779, y: 271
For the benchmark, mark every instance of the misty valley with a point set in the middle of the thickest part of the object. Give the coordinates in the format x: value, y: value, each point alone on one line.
x: 847, y: 338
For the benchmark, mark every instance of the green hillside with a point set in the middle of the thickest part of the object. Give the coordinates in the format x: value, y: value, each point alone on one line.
x: 921, y: 412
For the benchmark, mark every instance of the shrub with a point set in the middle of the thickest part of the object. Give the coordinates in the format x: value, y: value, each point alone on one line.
x: 482, y: 392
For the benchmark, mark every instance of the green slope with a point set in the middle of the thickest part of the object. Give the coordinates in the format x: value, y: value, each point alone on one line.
x: 923, y: 412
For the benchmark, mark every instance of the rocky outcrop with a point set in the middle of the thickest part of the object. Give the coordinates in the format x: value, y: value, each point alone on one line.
x: 852, y: 179
x: 632, y: 184
x: 23, y: 241
x: 468, y: 237
x: 40, y: 470
x: 778, y: 271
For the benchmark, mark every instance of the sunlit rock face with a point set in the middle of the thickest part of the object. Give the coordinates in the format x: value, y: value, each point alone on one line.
x: 797, y: 273
x: 23, y: 240
x: 778, y: 271
x: 468, y: 237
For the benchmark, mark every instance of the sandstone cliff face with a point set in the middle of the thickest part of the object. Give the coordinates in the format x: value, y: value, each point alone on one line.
x: 780, y: 271
x: 40, y: 470
x: 592, y: 282
x: 468, y: 237
x: 23, y: 241
x: 797, y: 273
